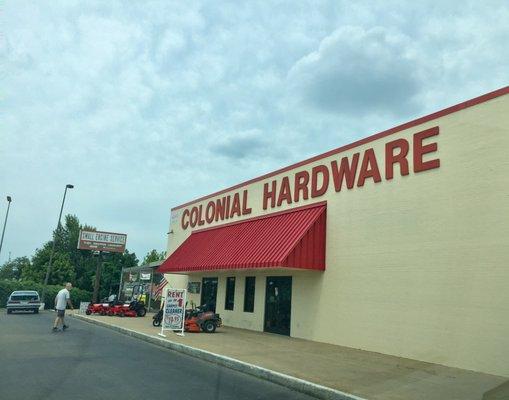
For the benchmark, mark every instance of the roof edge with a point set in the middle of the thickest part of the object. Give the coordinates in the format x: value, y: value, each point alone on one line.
x: 421, y: 120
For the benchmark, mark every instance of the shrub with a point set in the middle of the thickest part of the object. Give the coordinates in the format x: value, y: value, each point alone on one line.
x: 9, y: 286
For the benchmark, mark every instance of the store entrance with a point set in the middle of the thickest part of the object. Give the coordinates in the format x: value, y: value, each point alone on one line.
x: 278, y: 304
x: 209, y: 293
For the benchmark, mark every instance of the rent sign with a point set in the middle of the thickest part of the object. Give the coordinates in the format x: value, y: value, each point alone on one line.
x: 174, y: 310
x: 102, y: 241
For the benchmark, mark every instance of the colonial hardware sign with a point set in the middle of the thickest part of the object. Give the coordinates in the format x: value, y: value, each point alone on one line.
x: 398, y: 157
x: 174, y: 310
x: 102, y: 241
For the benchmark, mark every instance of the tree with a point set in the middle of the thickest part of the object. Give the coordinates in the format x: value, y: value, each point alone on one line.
x: 83, y: 261
x: 70, y: 264
x: 13, y: 269
x: 62, y: 270
x: 112, y: 267
x: 36, y: 271
x: 154, y: 255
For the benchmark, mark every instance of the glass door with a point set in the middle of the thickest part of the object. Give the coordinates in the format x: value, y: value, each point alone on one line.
x: 209, y: 293
x: 278, y: 304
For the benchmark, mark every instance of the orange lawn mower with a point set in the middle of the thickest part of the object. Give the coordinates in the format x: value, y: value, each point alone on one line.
x: 196, y: 320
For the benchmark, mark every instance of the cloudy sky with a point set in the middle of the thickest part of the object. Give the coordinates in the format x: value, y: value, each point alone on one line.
x: 146, y: 105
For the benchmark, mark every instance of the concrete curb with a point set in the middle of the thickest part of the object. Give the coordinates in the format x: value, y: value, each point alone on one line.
x: 299, y: 385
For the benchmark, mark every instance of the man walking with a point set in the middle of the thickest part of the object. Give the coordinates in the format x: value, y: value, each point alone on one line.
x: 62, y: 298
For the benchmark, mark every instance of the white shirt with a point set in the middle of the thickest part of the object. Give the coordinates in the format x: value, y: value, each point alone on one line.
x: 62, y: 297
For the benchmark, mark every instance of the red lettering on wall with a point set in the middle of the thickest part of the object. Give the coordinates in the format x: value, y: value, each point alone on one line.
x: 194, y: 217
x: 315, y: 183
x: 210, y: 211
x: 227, y: 208
x: 284, y: 192
x: 269, y: 195
x: 301, y: 185
x: 420, y: 150
x: 220, y: 206
x: 369, y: 168
x: 346, y: 171
x: 400, y: 158
x: 201, y: 221
x: 324, y: 171
x: 245, y: 209
x: 235, y: 206
x: 184, y: 222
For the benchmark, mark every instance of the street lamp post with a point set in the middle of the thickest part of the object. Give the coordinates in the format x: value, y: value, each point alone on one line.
x: 9, y: 199
x: 48, y: 270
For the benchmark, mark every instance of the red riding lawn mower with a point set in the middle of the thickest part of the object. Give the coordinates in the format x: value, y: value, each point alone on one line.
x: 98, y: 308
x: 133, y: 309
x: 196, y: 320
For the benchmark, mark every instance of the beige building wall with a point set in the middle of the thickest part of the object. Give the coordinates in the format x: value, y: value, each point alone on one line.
x: 417, y: 266
x: 237, y: 317
x: 246, y: 320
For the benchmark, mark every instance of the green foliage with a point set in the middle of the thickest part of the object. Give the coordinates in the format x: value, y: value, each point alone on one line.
x: 110, y: 273
x: 62, y: 268
x: 14, y: 269
x: 154, y: 255
x: 9, y: 286
x: 36, y: 271
x: 69, y: 264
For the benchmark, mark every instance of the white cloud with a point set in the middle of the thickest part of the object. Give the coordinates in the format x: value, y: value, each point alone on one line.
x: 242, y: 145
x: 358, y: 72
x: 146, y: 105
x: 171, y: 43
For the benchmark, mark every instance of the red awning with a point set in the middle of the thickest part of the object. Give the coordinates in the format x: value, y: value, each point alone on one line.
x: 291, y: 239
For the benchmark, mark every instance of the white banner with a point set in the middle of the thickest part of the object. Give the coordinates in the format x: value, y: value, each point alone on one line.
x: 83, y: 307
x: 174, y: 310
x: 145, y: 276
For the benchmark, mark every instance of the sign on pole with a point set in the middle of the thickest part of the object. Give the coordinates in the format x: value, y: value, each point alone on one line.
x: 102, y: 241
x: 174, y: 311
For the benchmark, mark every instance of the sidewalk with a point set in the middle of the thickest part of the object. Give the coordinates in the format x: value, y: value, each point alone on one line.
x: 373, y: 376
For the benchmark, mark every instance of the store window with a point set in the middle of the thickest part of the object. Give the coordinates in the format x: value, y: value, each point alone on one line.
x: 249, y: 294
x: 230, y: 293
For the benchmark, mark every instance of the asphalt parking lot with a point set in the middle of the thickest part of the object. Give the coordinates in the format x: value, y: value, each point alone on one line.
x: 90, y: 362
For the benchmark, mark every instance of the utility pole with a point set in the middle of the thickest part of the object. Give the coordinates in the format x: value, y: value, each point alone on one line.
x: 150, y: 291
x: 97, y: 277
x: 9, y: 199
x: 121, y: 282
x: 55, y: 235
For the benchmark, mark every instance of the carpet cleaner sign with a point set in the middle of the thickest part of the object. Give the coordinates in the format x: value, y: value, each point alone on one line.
x: 174, y: 309
x: 102, y: 241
